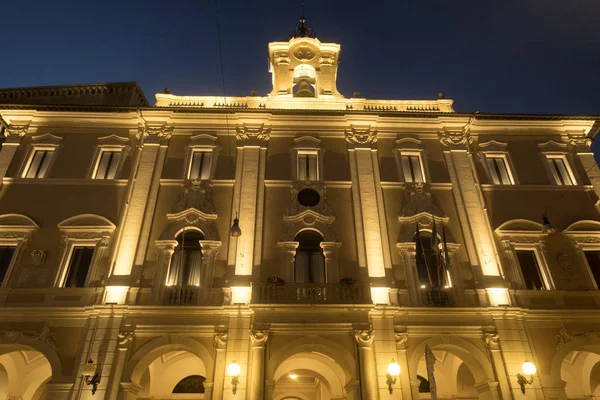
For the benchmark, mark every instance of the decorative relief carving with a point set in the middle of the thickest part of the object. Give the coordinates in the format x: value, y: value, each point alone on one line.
x: 281, y: 58
x: 38, y: 257
x: 220, y: 340
x: 259, y: 337
x: 492, y: 340
x: 579, y: 142
x: 455, y: 138
x: 195, y: 194
x: 155, y: 134
x: 43, y: 335
x: 125, y: 337
x: 417, y: 200
x: 401, y: 339
x: 16, y: 130
x: 361, y: 136
x: 304, y: 53
x: 258, y: 135
x: 364, y: 337
x: 327, y: 59
x: 565, y: 262
x: 563, y: 336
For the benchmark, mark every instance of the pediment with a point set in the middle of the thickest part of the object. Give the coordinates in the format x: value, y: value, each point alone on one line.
x: 309, y: 218
x: 46, y: 138
x: 551, y: 145
x: 587, y: 226
x: 113, y: 140
x: 191, y: 214
x: 493, y: 145
x: 203, y: 139
x: 520, y: 225
x: 17, y: 220
x: 86, y: 221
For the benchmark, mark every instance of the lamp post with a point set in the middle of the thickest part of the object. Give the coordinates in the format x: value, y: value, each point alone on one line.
x: 92, y: 378
x: 526, y: 378
x: 393, y: 373
x: 233, y: 370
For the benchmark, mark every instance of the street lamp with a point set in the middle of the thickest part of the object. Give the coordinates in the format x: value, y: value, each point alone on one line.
x: 92, y: 378
x: 529, y: 370
x: 393, y: 373
x: 233, y: 370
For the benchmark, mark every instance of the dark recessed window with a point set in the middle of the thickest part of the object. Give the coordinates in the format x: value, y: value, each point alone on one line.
x: 79, y: 266
x: 308, y: 197
x: 593, y: 259
x: 309, y: 261
x: 6, y: 255
x: 190, y: 384
x: 530, y: 269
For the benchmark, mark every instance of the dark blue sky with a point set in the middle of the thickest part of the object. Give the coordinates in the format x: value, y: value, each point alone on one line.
x: 524, y: 56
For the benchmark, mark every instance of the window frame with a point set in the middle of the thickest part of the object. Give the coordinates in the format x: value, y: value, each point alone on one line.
x: 45, y: 142
x: 16, y: 233
x: 85, y: 230
x: 409, y: 146
x: 108, y: 143
x: 306, y: 152
x: 552, y: 149
x: 542, y: 266
x: 553, y: 172
x: 585, y: 236
x: 193, y: 152
x: 201, y: 143
x: 494, y: 150
x: 307, y: 145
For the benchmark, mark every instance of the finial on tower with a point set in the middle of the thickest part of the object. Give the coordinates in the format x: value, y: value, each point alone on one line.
x: 302, y: 30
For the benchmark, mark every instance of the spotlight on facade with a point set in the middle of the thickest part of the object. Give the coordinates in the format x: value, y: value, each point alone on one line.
x: 293, y: 376
x: 233, y: 370
x: 235, y: 230
x: 393, y: 373
x: 92, y: 378
x: 527, y: 377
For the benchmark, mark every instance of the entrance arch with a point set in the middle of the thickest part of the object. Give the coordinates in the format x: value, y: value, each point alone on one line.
x: 577, y: 365
x: 24, y: 372
x: 461, y: 369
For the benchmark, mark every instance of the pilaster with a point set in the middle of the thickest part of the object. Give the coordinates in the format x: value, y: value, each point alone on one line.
x: 257, y: 370
x: 363, y: 164
x: 210, y: 249
x: 368, y: 373
x: 288, y: 257
x: 331, y: 251
x: 14, y: 136
x: 220, y: 367
x: 473, y: 214
x: 131, y: 225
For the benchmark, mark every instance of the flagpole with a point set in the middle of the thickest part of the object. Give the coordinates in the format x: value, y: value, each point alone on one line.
x: 423, y: 255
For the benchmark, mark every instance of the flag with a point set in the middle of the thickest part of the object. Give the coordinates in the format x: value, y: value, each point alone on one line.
x: 422, y: 269
x: 429, y: 362
x: 446, y: 255
x: 435, y: 247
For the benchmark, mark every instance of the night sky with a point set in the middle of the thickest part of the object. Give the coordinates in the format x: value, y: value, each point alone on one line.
x: 519, y: 56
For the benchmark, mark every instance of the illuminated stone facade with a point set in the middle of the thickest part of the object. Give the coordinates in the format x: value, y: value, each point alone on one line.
x: 115, y: 244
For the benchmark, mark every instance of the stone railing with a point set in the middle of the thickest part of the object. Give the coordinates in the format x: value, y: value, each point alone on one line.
x: 181, y: 295
x: 311, y: 293
x: 437, y: 298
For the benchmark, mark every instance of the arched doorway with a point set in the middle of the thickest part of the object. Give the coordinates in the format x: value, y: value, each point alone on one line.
x: 461, y: 370
x: 24, y: 372
x: 169, y: 368
x: 580, y: 370
x: 186, y: 262
x: 309, y: 263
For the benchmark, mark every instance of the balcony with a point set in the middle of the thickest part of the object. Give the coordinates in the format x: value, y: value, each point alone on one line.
x: 311, y: 293
x: 181, y: 295
x: 437, y: 298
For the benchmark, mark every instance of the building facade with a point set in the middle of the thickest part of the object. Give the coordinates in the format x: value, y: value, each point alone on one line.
x: 371, y: 230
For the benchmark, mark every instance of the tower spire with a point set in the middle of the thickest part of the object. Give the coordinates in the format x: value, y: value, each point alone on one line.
x: 302, y: 30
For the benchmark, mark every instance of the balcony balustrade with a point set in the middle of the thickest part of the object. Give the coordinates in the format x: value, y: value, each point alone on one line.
x: 311, y: 293
x: 182, y: 295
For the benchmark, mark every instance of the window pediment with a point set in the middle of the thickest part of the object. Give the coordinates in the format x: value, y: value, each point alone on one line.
x: 189, y: 219
x: 493, y: 145
x: 113, y: 140
x: 552, y: 146
x: 46, y: 138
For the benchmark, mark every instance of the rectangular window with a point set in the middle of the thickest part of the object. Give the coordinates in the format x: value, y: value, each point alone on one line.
x: 530, y: 268
x: 200, y: 165
x: 38, y: 166
x: 560, y: 171
x: 413, y: 168
x: 593, y: 259
x: 79, y: 266
x: 498, y: 168
x: 108, y: 164
x: 6, y: 255
x: 308, y: 167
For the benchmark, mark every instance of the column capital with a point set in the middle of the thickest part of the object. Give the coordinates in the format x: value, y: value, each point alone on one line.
x: 361, y: 137
x: 401, y: 339
x: 166, y: 245
x: 492, y: 341
x: 155, y: 134
x: 209, y: 247
x: 259, y: 337
x: 579, y: 142
x: 455, y: 140
x: 364, y: 337
x: 124, y: 338
x: 289, y: 246
x: 253, y: 135
x: 220, y: 340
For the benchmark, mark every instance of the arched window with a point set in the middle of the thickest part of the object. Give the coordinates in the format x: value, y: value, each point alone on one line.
x: 310, y: 261
x: 190, y: 384
x: 187, y: 260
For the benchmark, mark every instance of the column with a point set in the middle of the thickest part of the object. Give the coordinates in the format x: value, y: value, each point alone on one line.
x: 401, y: 351
x: 269, y: 389
x: 248, y: 203
x: 472, y: 213
x: 166, y: 248
x: 14, y: 136
x: 210, y: 249
x: 492, y: 342
x: 330, y: 251
x: 123, y: 340
x: 288, y: 258
x: 220, y: 368
x: 238, y: 350
x: 368, y: 375
x: 129, y: 391
x: 551, y: 389
x: 487, y: 390
x: 257, y: 370
x: 134, y: 211
x: 58, y: 391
